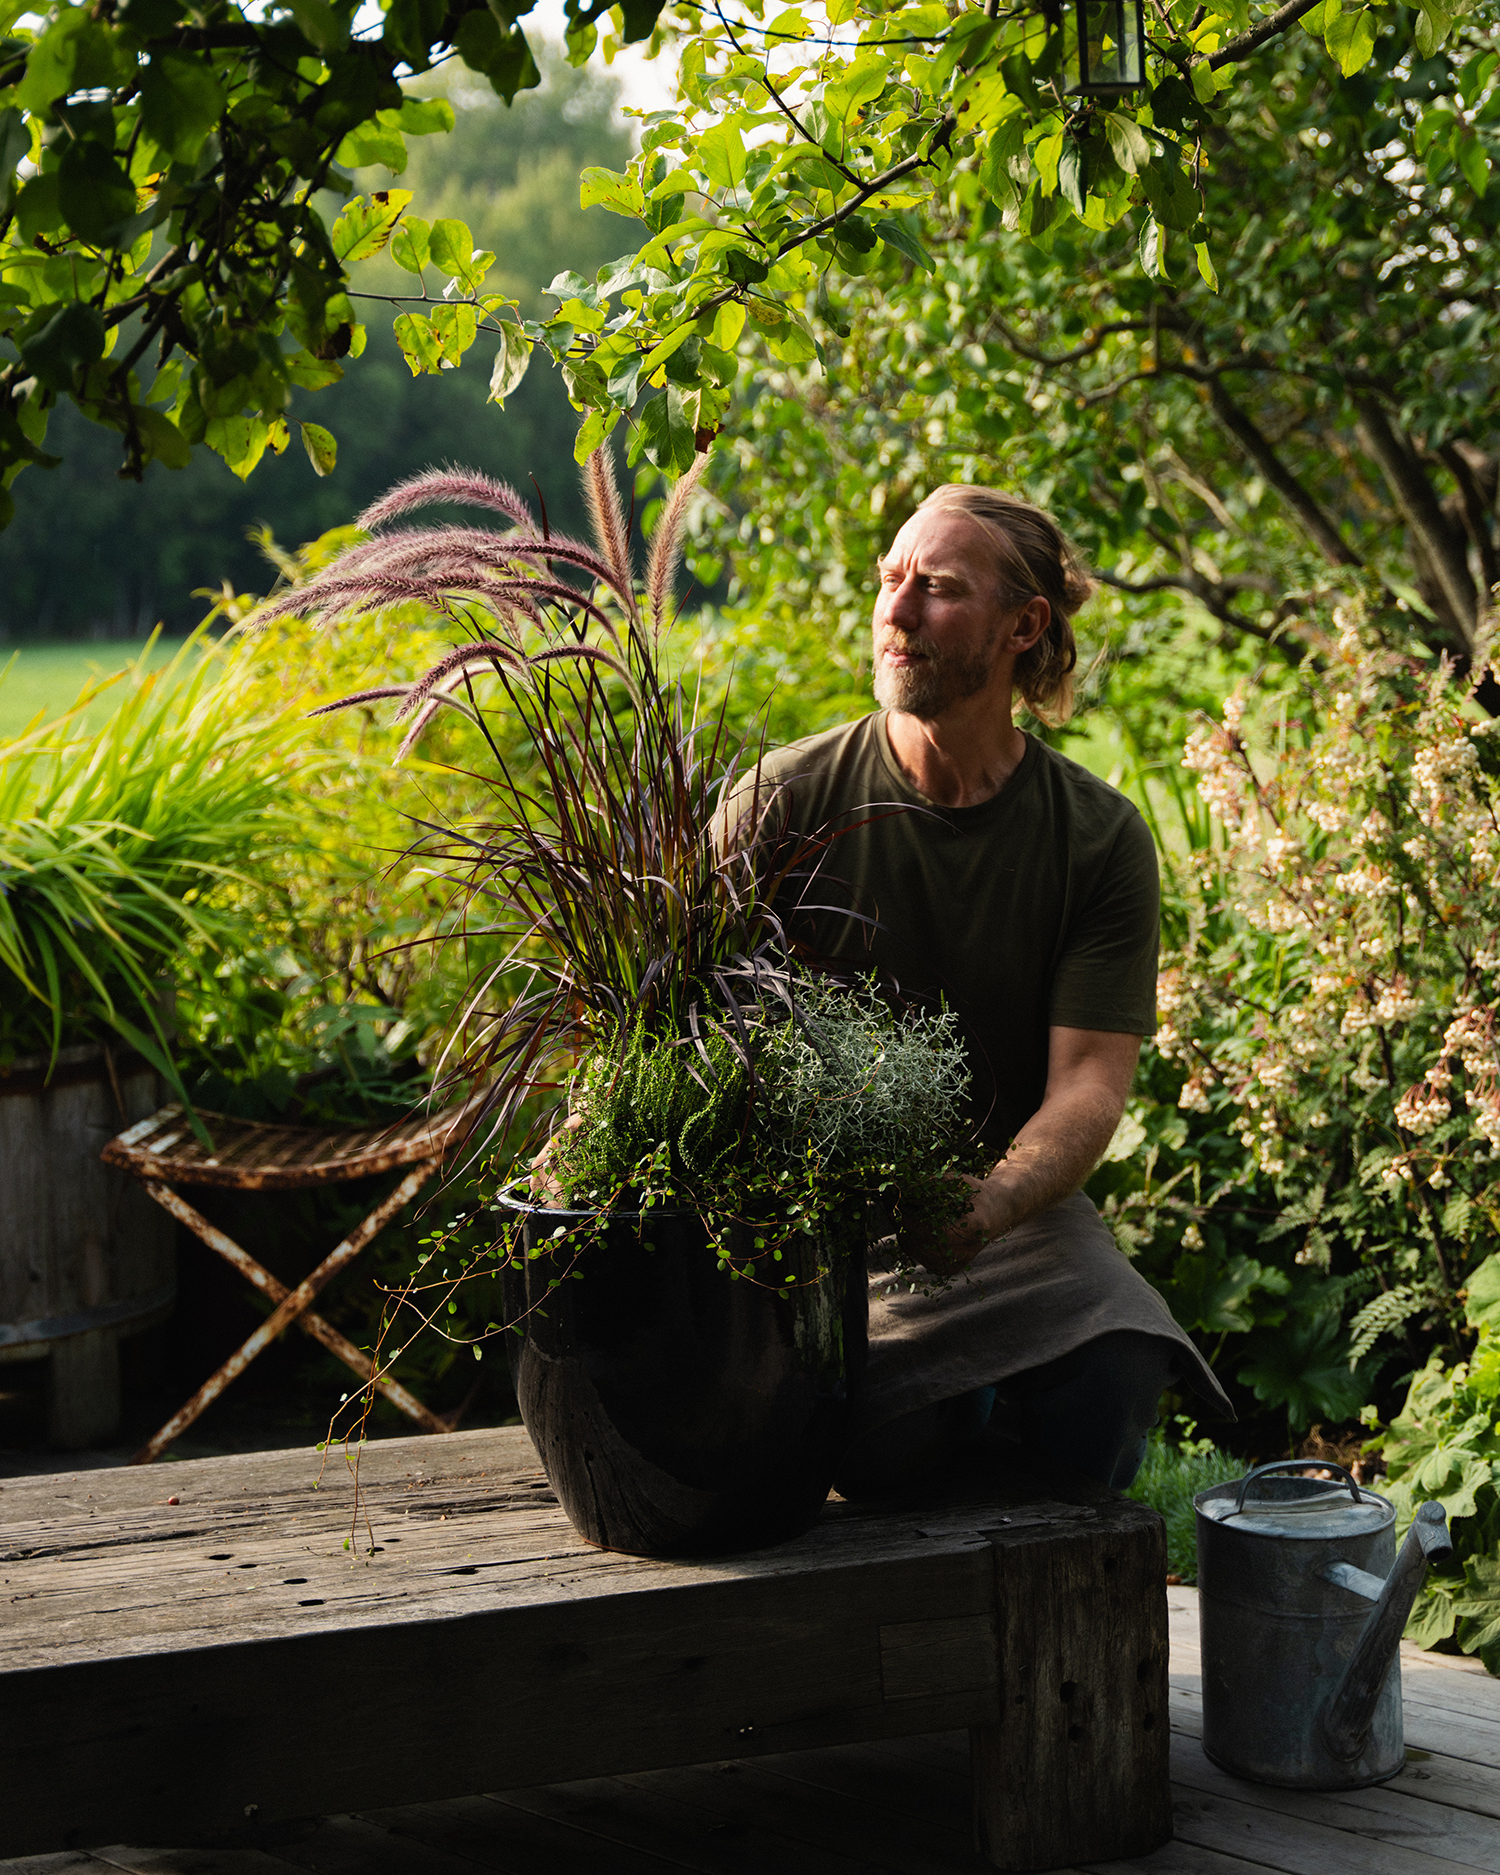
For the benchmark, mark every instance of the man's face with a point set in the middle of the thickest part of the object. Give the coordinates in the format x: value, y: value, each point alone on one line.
x: 940, y: 624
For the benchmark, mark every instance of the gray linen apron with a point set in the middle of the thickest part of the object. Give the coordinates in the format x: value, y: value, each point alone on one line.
x: 1053, y: 1283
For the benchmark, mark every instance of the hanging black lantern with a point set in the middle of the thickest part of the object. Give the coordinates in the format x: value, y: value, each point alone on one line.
x: 1111, y: 47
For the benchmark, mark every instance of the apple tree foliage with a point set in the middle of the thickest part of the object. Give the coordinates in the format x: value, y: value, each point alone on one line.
x: 165, y: 263
x: 1317, y: 406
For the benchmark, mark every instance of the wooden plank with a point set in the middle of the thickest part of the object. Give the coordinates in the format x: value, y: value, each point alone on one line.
x: 354, y: 1845
x: 1183, y: 1858
x: 608, y: 1684
x: 1293, y: 1844
x: 185, y: 1861
x: 1435, y: 1777
x: 886, y: 1779
x: 69, y: 1862
x: 510, y: 1841
x: 1384, y: 1813
x: 1076, y: 1766
x: 836, y: 1824
x: 1465, y: 1774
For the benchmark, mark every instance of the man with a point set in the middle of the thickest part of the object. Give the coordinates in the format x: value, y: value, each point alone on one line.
x: 992, y: 871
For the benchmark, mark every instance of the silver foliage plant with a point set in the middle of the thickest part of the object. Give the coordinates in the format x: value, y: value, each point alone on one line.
x: 859, y: 1085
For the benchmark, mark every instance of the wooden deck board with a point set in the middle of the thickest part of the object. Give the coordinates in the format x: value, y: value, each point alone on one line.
x: 897, y: 1806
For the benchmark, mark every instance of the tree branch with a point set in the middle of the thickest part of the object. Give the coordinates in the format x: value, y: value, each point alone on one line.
x: 1424, y: 516
x: 1252, y: 41
x: 1319, y: 526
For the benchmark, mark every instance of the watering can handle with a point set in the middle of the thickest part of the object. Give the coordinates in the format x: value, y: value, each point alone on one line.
x: 1293, y: 1464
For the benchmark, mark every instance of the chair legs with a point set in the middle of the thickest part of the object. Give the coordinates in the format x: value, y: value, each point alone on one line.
x: 292, y: 1305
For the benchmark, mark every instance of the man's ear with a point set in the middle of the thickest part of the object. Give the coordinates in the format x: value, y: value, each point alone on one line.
x: 1031, y: 622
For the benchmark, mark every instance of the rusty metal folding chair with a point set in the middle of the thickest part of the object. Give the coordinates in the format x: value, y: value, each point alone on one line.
x: 248, y: 1155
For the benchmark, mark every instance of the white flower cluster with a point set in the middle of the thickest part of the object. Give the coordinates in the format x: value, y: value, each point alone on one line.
x: 1367, y: 860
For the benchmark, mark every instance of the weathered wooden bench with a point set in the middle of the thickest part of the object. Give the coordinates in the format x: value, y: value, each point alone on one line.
x: 192, y: 1653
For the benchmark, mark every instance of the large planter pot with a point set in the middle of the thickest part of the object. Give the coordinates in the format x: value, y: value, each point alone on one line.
x: 85, y: 1256
x: 680, y: 1411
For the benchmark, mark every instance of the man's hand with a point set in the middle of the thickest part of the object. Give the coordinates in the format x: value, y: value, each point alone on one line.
x: 1089, y: 1072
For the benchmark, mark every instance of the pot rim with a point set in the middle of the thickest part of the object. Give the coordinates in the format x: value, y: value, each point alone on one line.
x: 529, y: 1208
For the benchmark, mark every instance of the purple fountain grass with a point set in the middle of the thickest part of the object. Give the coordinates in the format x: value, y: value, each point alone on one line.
x: 595, y: 877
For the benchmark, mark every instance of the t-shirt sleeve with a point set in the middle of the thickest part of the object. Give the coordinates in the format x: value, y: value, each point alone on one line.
x: 1106, y: 976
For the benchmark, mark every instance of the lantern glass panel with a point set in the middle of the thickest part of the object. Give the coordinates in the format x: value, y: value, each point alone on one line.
x: 1110, y: 45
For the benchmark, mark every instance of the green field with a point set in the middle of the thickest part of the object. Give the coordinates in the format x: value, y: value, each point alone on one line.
x: 48, y: 677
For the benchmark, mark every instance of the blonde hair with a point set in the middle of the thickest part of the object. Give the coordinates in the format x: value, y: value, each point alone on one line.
x: 1036, y: 560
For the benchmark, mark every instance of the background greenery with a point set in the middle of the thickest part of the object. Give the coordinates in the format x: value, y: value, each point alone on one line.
x: 131, y: 553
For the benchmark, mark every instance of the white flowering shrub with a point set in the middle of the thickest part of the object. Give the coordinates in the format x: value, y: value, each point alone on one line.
x: 1332, y: 999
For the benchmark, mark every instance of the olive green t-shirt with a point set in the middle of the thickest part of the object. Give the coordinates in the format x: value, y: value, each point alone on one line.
x: 1036, y: 908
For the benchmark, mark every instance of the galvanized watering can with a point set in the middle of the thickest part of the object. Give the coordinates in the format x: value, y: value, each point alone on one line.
x: 1302, y: 1599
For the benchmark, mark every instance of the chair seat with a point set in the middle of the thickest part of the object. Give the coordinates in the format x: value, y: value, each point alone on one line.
x: 256, y: 1155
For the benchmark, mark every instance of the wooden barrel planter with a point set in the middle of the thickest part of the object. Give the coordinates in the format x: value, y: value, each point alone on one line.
x: 85, y: 1256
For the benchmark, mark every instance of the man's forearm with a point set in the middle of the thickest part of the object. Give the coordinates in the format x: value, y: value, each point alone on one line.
x: 1050, y: 1158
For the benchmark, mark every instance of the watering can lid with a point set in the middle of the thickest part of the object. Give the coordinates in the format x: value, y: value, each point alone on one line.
x: 1296, y: 1507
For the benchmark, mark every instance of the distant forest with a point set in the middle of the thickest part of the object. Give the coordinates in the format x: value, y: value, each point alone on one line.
x: 91, y: 556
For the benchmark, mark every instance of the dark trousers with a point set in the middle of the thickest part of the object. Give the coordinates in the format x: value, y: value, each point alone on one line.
x: 1089, y: 1411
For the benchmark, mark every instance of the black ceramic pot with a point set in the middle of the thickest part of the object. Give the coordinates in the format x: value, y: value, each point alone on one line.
x: 679, y: 1411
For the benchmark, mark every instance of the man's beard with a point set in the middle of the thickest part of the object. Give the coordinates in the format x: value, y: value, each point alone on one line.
x: 941, y: 679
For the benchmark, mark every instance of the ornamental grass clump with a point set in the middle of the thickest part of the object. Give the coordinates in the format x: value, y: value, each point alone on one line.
x: 122, y: 850
x: 638, y: 911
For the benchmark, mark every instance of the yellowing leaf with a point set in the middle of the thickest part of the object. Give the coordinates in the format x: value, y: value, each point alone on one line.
x: 511, y: 360
x: 321, y: 446
x: 364, y: 227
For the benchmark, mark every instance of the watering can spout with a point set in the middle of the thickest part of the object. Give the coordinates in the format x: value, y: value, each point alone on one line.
x: 1351, y: 1710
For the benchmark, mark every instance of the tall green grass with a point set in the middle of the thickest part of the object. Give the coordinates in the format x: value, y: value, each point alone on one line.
x: 120, y: 846
x: 1168, y: 1481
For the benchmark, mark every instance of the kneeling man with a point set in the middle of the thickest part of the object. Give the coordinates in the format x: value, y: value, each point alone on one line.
x: 997, y: 874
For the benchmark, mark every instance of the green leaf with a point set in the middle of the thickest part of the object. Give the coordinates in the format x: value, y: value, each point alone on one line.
x: 71, y: 339
x: 1206, y: 269
x: 423, y: 117
x: 371, y: 143
x: 241, y: 441
x: 1473, y: 162
x: 511, y: 359
x: 1152, y: 249
x: 1303, y: 1365
x: 364, y: 227
x: 165, y: 443
x: 1127, y: 142
x: 593, y: 432
x: 51, y: 62
x: 501, y: 54
x: 721, y: 151
x: 603, y: 188
x: 1482, y: 1294
x: 451, y: 250
x: 418, y: 342
x: 321, y: 446
x: 319, y: 24
x: 181, y: 102
x: 1350, y: 38
x: 1434, y: 23
x: 667, y: 434
x: 94, y: 192
x: 896, y: 234
x: 409, y: 244
x: 454, y: 327
x: 1070, y: 179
